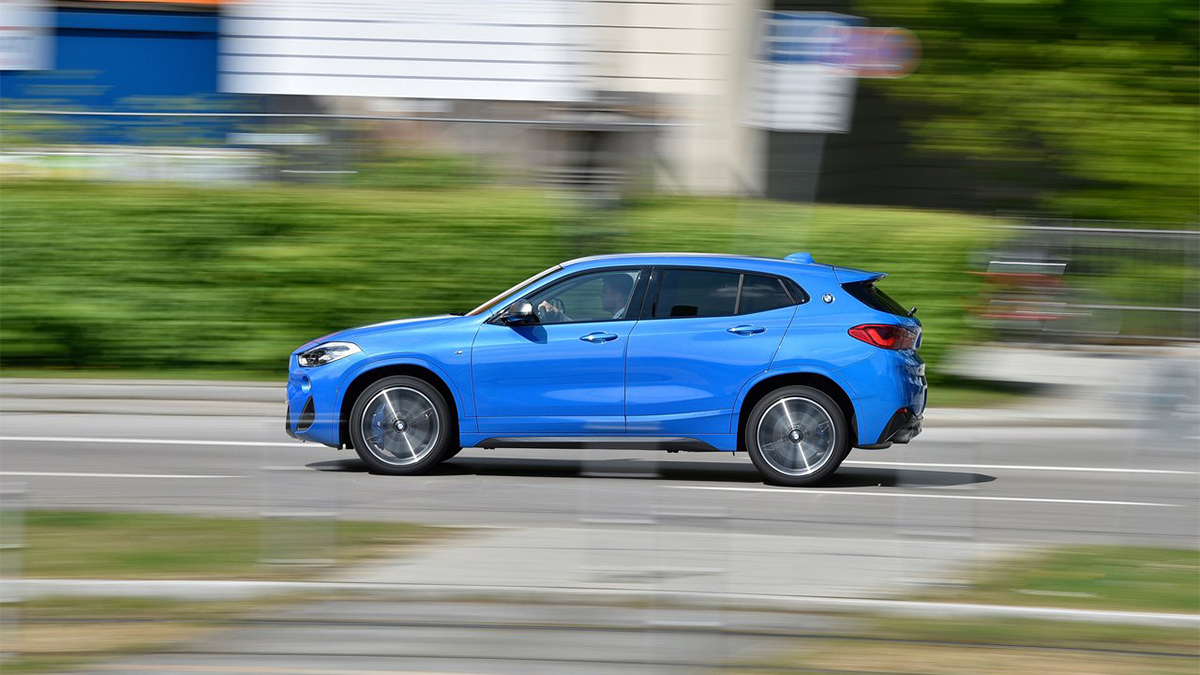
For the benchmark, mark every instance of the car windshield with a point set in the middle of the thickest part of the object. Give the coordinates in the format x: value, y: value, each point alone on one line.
x: 531, y: 280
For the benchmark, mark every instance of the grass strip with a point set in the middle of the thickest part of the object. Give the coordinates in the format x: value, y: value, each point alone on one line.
x: 1091, y: 577
x: 76, y: 544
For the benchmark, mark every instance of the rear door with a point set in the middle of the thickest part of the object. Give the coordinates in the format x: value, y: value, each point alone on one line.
x: 703, y: 334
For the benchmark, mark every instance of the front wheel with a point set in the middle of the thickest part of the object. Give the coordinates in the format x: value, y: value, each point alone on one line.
x: 797, y: 436
x: 401, y: 425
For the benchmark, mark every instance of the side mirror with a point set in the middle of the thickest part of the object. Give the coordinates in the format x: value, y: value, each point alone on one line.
x: 520, y: 314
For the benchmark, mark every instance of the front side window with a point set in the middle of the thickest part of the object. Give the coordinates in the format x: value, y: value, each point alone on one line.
x: 684, y: 293
x: 596, y: 296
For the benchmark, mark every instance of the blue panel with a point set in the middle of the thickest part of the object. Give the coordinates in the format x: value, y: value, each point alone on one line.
x: 128, y: 61
x: 125, y: 20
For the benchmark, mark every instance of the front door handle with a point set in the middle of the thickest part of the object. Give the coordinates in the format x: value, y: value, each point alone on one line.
x: 747, y: 329
x: 599, y: 337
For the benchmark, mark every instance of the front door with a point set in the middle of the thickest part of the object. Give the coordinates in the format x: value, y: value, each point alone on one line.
x: 563, y: 376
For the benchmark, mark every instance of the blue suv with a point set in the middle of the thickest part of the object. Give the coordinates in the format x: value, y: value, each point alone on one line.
x: 791, y: 361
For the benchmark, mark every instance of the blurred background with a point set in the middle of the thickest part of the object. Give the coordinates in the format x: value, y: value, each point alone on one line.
x: 189, y: 190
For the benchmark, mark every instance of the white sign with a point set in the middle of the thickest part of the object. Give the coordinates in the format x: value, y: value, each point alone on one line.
x: 797, y: 87
x: 515, y: 50
x: 808, y: 62
x: 24, y: 35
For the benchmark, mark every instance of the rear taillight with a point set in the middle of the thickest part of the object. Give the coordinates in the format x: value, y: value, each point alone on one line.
x: 885, y: 335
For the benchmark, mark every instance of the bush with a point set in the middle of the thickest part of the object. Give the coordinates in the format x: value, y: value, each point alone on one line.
x: 174, y: 278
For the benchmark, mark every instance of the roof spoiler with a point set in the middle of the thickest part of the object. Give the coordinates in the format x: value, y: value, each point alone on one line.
x: 849, y: 275
x: 845, y: 275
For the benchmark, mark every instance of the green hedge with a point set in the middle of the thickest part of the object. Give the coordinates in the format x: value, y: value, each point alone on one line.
x: 155, y: 278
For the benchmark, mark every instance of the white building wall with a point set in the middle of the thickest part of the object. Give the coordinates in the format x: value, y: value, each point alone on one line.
x: 693, y: 56
x: 687, y: 60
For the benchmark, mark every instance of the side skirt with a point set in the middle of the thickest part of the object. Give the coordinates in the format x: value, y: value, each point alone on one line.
x: 667, y: 443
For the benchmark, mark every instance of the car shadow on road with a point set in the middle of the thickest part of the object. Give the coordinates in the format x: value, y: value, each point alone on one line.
x: 674, y: 470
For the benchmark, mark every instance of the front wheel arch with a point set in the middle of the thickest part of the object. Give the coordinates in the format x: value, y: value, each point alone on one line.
x: 365, y: 379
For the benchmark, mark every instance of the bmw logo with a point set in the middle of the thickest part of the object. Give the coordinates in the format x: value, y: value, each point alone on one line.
x: 828, y: 297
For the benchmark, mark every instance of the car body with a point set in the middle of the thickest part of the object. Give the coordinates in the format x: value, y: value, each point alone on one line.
x: 699, y: 346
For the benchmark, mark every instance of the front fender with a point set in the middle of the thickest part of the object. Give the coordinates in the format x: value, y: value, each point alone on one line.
x: 464, y: 404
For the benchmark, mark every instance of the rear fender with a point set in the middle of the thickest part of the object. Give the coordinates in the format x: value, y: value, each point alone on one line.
x: 791, y: 369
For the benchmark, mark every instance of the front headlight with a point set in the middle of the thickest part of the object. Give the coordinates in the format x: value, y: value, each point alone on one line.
x: 327, y: 353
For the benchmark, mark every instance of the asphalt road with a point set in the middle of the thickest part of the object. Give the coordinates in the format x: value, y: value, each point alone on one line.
x: 578, y: 518
x: 1022, y: 485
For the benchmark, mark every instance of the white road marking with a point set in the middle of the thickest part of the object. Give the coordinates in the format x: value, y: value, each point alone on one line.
x: 843, y: 493
x: 69, y: 474
x: 900, y: 465
x: 1018, y: 467
x: 150, y: 441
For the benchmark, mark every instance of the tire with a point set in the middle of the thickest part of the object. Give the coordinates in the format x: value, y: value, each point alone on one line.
x: 796, y: 436
x: 401, y: 425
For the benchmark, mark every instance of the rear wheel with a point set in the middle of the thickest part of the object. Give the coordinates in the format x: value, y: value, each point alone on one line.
x: 797, y: 436
x: 402, y: 425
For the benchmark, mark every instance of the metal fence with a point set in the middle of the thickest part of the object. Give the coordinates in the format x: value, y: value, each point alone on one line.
x: 1078, y: 279
x: 601, y: 149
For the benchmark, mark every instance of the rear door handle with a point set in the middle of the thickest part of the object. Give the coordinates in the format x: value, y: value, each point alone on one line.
x: 599, y: 337
x: 747, y: 329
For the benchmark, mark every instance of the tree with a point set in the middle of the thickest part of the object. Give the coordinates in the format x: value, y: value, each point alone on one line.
x: 1092, y: 102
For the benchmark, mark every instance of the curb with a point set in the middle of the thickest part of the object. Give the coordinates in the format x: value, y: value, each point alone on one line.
x: 233, y: 590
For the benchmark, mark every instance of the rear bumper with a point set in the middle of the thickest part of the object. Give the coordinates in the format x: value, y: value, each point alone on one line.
x: 885, y: 385
x: 902, y: 427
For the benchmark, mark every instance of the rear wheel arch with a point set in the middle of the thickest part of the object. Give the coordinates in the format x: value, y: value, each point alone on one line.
x: 808, y: 379
x: 366, y: 378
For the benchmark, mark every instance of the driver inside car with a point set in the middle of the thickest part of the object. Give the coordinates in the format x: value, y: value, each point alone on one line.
x: 614, y: 296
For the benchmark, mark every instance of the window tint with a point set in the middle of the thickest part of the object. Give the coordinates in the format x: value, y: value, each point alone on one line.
x: 872, y: 297
x: 762, y: 293
x: 598, y: 296
x: 684, y: 293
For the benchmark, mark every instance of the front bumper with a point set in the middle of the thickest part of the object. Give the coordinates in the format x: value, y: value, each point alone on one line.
x: 314, y: 400
x: 287, y: 422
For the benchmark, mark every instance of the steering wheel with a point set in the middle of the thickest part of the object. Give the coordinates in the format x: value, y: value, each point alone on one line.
x: 556, y: 303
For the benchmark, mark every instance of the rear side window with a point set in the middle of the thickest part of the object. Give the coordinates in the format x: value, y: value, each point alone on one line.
x: 866, y: 293
x: 760, y: 294
x: 685, y: 293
